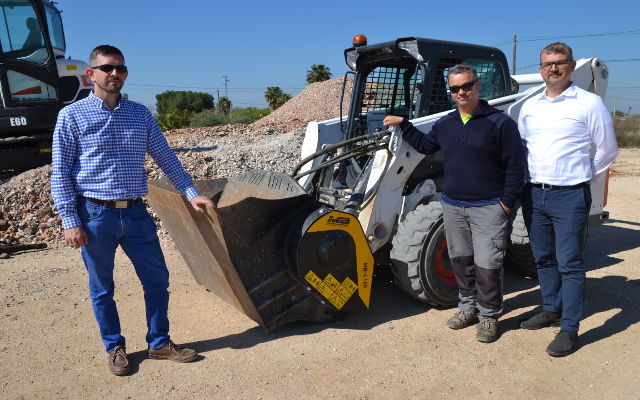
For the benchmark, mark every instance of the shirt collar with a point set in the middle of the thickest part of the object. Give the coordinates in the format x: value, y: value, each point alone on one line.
x: 100, y: 103
x: 571, y: 91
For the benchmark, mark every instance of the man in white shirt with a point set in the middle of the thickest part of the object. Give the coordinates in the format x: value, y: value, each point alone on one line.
x: 560, y: 127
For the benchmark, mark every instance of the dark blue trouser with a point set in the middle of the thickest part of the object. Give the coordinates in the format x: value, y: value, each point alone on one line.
x: 557, y: 222
x: 134, y: 230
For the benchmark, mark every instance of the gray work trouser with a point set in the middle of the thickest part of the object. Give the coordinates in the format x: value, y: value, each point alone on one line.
x: 476, y: 240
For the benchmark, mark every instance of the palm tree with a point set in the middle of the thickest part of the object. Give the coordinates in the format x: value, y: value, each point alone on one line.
x: 275, y: 97
x: 224, y: 105
x: 318, y: 73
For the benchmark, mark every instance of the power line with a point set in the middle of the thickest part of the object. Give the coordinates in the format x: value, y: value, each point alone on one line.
x: 535, y: 39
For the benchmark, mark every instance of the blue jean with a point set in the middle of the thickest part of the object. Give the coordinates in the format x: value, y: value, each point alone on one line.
x: 134, y: 230
x: 557, y: 223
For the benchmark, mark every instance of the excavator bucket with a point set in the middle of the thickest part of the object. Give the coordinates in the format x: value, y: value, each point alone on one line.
x: 269, y: 249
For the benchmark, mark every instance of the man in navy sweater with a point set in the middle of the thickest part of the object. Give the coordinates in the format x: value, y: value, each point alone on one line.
x: 484, y: 173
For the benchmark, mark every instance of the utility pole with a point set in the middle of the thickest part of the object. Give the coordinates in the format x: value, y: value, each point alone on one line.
x: 513, y: 63
x: 226, y: 80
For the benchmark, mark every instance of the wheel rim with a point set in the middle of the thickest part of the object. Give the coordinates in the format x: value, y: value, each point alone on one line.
x: 443, y: 267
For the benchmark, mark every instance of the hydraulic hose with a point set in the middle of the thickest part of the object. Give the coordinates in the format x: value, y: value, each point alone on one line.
x: 331, y: 148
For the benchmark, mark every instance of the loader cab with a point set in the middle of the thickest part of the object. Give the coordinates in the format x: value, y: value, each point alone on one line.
x: 408, y: 77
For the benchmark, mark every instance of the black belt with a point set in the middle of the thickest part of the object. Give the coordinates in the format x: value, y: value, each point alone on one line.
x: 114, y: 203
x: 544, y: 186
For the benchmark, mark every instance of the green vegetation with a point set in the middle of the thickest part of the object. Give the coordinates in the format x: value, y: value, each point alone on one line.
x: 174, y: 118
x: 216, y: 117
x: 183, y: 100
x: 627, y: 131
x: 318, y: 73
x: 275, y: 97
x: 224, y: 105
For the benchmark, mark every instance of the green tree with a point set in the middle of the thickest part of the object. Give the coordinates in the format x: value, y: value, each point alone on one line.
x: 318, y: 73
x: 183, y: 100
x: 174, y: 118
x: 275, y: 97
x: 207, y: 118
x: 224, y: 105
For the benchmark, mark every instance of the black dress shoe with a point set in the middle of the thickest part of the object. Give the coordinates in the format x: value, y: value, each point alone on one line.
x: 541, y: 320
x: 565, y: 343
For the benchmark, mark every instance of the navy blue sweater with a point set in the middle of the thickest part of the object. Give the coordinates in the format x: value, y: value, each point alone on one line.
x: 483, y: 159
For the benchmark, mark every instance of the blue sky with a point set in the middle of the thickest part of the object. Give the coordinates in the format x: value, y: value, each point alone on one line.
x: 191, y: 45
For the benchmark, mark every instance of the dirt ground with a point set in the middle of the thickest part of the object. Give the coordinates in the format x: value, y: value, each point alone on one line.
x: 400, y: 349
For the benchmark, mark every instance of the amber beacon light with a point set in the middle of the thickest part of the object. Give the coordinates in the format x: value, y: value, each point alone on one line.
x: 359, y: 40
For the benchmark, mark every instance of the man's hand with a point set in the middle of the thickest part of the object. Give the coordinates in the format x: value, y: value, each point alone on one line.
x: 199, y: 203
x: 506, y: 209
x: 75, y: 237
x: 392, y: 120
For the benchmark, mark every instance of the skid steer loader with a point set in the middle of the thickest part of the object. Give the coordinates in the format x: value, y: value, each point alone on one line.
x: 303, y: 246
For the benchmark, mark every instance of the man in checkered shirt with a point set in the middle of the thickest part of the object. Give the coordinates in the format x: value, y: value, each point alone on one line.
x: 99, y: 149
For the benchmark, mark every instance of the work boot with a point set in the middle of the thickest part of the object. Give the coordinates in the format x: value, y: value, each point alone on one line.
x: 173, y: 352
x: 565, y: 343
x: 462, y: 319
x: 487, y: 330
x: 541, y: 320
x: 118, y: 361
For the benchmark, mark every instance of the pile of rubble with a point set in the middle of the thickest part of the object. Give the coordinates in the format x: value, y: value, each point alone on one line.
x: 317, y: 102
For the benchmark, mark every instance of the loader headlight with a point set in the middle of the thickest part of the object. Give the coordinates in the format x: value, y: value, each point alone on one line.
x: 351, y: 56
x: 411, y: 46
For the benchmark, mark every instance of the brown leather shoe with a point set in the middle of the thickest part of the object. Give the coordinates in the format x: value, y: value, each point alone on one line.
x: 118, y: 361
x: 173, y: 352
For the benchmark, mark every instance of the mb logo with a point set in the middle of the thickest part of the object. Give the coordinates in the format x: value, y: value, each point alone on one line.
x: 338, y: 220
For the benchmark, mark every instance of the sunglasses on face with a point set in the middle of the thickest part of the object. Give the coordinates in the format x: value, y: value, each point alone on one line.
x: 559, y: 63
x: 465, y: 86
x: 107, y: 68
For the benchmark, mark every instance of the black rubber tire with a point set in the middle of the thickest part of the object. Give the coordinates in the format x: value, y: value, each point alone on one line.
x: 419, y: 257
x: 519, y: 256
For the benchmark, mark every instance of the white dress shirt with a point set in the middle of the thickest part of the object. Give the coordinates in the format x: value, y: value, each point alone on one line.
x: 561, y: 133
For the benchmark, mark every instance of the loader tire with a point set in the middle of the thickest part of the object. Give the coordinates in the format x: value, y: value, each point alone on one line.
x: 420, y: 260
x: 519, y: 256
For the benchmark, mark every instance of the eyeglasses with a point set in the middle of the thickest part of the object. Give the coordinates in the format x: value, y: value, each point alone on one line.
x: 559, y: 63
x: 107, y: 68
x: 465, y: 86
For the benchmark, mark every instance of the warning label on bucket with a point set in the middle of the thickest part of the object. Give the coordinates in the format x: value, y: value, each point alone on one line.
x: 331, y: 289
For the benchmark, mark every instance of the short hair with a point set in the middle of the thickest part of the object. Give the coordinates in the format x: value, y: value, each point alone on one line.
x: 103, y: 50
x: 463, y: 68
x: 558, y: 47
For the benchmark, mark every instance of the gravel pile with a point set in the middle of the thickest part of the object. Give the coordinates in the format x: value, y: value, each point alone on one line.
x: 27, y: 214
x: 317, y: 102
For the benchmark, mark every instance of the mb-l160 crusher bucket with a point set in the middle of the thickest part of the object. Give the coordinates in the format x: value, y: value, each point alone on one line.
x: 270, y: 249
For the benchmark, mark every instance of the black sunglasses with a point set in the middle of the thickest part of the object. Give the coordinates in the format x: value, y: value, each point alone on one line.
x: 107, y: 68
x: 465, y: 86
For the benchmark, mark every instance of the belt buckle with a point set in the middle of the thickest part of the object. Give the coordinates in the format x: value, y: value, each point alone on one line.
x: 121, y: 204
x: 546, y: 186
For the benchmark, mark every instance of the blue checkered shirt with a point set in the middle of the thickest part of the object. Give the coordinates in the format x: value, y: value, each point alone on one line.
x: 100, y: 153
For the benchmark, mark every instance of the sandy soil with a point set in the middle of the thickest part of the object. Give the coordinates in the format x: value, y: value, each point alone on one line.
x: 400, y: 349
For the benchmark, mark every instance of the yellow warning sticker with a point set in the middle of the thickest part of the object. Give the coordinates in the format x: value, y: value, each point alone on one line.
x: 331, y: 289
x: 72, y: 67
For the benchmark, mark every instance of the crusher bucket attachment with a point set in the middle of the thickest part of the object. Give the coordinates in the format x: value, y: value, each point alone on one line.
x: 270, y: 249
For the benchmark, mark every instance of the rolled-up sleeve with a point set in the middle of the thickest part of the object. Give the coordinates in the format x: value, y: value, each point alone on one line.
x: 159, y: 149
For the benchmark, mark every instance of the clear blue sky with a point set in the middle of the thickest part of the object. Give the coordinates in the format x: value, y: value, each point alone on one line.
x: 190, y: 45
